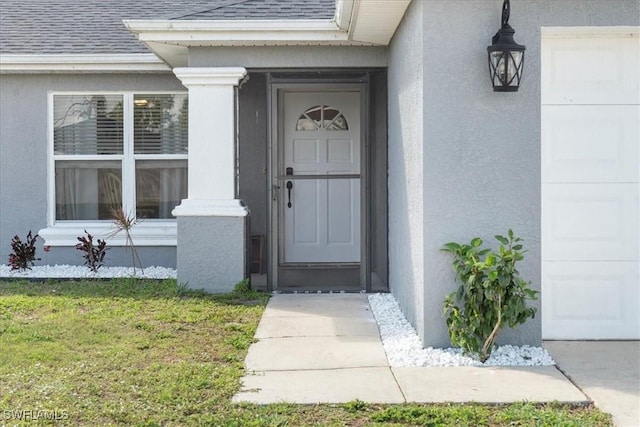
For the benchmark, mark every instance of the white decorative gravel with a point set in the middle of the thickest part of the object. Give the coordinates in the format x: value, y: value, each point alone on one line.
x: 404, y: 348
x: 82, y: 272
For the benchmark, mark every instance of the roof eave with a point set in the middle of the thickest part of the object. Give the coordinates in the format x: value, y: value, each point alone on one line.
x: 171, y: 39
x: 238, y: 32
x: 84, y: 63
x: 355, y: 23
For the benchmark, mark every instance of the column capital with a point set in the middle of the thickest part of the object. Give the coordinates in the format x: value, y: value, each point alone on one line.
x: 206, y: 76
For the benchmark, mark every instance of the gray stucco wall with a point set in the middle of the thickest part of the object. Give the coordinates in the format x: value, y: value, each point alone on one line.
x: 211, y: 252
x: 23, y: 157
x: 480, y: 164
x: 288, y: 57
x: 406, y: 75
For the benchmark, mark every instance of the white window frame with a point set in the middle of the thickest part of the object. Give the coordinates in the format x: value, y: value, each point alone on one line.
x: 148, y: 232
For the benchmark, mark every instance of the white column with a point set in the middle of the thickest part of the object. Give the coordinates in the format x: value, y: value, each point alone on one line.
x: 212, y: 136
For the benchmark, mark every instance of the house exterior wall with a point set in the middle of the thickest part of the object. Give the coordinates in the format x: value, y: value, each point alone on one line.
x: 406, y: 93
x: 288, y: 57
x: 217, y: 239
x: 480, y: 150
x: 23, y: 154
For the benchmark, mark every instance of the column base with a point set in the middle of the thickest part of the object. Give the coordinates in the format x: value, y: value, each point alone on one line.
x: 211, y: 253
x: 200, y: 207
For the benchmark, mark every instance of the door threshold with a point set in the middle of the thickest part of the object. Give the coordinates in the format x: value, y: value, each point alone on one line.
x: 318, y: 265
x: 333, y: 289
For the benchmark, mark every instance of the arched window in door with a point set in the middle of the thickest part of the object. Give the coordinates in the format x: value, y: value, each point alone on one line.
x: 322, y: 117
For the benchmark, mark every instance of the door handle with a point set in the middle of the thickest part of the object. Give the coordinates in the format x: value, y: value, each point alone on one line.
x: 289, y: 187
x: 289, y: 171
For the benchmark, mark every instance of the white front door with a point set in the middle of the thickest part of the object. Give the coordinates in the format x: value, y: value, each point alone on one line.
x: 321, y: 216
x: 591, y: 184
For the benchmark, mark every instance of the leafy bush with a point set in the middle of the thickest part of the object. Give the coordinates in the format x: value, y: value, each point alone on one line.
x: 93, y: 255
x: 24, y: 253
x: 492, y: 294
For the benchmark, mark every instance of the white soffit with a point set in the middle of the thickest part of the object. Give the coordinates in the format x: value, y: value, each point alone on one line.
x: 376, y: 20
x: 238, y: 32
x: 356, y: 23
x: 146, y: 62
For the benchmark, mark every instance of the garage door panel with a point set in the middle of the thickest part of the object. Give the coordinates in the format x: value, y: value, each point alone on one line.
x: 590, y: 300
x: 591, y: 70
x: 591, y: 143
x: 590, y: 222
x: 590, y: 174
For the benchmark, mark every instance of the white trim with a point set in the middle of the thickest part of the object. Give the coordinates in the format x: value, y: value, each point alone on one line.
x: 242, y: 32
x: 151, y: 232
x: 195, y: 207
x: 344, y: 13
x: 51, y: 163
x: 199, y: 76
x: 577, y: 32
x: 145, y: 233
x: 146, y: 62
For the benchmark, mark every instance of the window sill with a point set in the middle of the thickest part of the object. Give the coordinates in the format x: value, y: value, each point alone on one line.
x: 148, y: 233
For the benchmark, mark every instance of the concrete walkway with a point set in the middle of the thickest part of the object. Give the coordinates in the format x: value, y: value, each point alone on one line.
x: 608, y: 372
x: 326, y: 348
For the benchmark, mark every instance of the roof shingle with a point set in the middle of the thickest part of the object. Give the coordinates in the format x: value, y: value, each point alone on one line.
x: 95, y: 26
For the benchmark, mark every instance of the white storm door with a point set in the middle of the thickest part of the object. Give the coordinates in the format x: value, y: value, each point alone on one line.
x: 321, y: 216
x: 591, y: 184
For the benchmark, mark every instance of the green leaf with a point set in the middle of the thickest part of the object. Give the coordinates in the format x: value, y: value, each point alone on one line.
x: 491, y: 260
x: 450, y: 247
x: 502, y: 240
x: 476, y: 242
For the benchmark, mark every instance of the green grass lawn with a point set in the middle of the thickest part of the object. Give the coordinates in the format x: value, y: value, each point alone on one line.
x: 147, y: 353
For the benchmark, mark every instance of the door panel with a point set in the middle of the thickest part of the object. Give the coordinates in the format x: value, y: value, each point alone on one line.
x: 590, y: 222
x: 590, y: 143
x: 591, y: 185
x: 321, y: 137
x: 607, y: 289
x: 591, y: 70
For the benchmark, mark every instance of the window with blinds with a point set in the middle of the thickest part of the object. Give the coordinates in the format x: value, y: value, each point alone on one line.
x: 87, y: 124
x: 116, y: 151
x: 160, y: 124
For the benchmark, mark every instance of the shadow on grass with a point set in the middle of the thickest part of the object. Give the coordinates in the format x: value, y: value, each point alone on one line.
x: 129, y: 288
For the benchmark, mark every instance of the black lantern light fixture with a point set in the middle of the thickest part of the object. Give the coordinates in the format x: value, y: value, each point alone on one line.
x: 506, y: 57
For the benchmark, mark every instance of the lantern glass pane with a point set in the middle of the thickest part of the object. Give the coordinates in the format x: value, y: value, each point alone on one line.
x: 513, y: 70
x: 497, y: 67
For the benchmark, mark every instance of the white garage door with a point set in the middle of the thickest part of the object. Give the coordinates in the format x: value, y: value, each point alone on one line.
x: 590, y: 183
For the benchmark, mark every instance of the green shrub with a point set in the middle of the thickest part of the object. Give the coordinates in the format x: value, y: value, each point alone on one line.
x: 491, y: 295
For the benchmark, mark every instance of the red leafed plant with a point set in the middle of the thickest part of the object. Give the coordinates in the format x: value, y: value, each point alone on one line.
x: 93, y: 254
x: 24, y: 253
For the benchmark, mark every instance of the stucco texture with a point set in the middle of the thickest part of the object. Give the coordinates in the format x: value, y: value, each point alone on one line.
x: 23, y: 157
x: 478, y: 150
x: 211, y: 252
x: 288, y: 56
x: 405, y: 152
